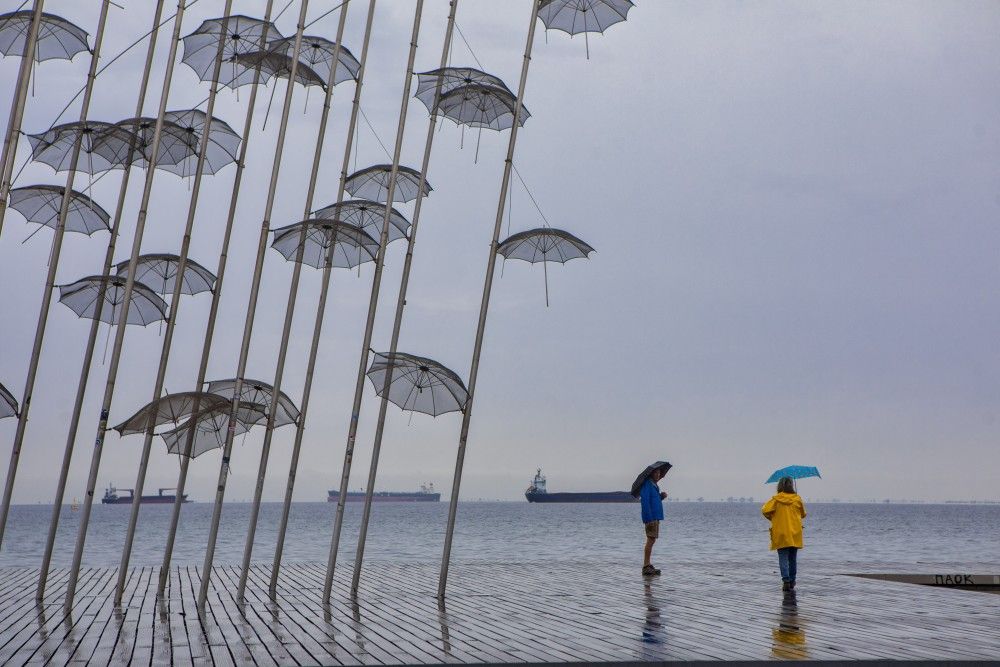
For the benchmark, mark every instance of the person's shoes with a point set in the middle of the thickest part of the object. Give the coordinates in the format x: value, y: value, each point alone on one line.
x: 649, y: 571
x: 791, y: 585
x: 786, y: 586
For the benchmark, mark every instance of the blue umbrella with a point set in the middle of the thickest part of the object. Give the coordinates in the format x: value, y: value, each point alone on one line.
x: 795, y: 472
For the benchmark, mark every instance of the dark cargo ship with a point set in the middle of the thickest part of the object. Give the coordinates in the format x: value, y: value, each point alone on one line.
x: 111, y: 497
x: 537, y: 493
x: 426, y: 494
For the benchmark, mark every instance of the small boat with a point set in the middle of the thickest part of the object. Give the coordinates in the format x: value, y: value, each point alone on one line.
x: 537, y: 493
x: 111, y: 497
x: 75, y: 505
x: 426, y: 494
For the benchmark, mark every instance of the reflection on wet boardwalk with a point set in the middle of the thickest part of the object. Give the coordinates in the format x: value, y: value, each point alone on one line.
x: 511, y: 612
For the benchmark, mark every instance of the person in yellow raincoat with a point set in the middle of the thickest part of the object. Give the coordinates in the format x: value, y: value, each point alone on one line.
x: 785, y: 511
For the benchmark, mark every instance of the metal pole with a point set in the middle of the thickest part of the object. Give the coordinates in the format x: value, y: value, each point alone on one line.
x: 484, y: 306
x: 109, y: 388
x: 17, y: 109
x: 400, y: 304
x: 320, y: 309
x: 293, y: 290
x: 185, y: 458
x: 43, y: 314
x: 95, y: 324
x: 213, y: 534
x: 359, y: 387
x: 175, y: 302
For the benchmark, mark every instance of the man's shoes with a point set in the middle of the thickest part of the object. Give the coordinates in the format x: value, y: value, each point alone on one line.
x: 786, y: 586
x: 649, y: 571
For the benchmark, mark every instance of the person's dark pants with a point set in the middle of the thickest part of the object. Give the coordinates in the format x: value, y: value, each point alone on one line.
x: 786, y: 563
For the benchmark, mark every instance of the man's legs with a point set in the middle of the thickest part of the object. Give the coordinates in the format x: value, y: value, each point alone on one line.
x: 647, y: 551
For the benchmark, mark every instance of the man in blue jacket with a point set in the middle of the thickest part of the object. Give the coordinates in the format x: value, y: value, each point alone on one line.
x: 651, y: 500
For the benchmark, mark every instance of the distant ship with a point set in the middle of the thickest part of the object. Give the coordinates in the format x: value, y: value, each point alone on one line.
x: 537, y: 493
x: 426, y: 494
x: 111, y: 497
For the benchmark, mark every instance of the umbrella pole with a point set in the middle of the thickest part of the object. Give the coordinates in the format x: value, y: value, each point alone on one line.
x: 116, y: 351
x: 175, y: 303
x: 220, y: 493
x: 400, y: 303
x: 359, y: 386
x: 484, y: 307
x: 545, y: 270
x: 220, y: 272
x: 43, y: 313
x: 17, y: 109
x: 88, y: 355
x: 293, y: 290
x: 321, y: 307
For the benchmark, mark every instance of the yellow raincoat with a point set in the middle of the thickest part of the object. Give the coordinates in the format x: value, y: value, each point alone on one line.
x: 785, y: 511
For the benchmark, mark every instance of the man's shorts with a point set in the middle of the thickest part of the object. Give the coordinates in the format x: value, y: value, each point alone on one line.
x: 653, y: 529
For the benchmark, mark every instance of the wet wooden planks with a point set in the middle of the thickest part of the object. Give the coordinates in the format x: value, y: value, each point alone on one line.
x: 495, y: 612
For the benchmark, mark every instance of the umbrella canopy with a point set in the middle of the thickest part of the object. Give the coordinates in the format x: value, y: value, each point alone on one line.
x: 243, y: 34
x: 273, y: 63
x: 482, y: 106
x: 57, y: 37
x: 210, y: 426
x: 373, y: 183
x: 418, y: 383
x: 317, y: 53
x: 82, y: 296
x: 352, y: 247
x: 159, y: 272
x: 637, y: 484
x: 795, y: 472
x: 223, y: 142
x: 103, y: 146
x: 576, y: 16
x: 368, y: 216
x: 175, y: 146
x: 41, y: 204
x: 452, y: 78
x: 544, y: 245
x: 257, y: 393
x: 169, y: 409
x: 8, y: 404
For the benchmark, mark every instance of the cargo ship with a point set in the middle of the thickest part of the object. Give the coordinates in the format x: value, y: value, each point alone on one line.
x: 537, y: 493
x: 111, y: 497
x: 426, y: 494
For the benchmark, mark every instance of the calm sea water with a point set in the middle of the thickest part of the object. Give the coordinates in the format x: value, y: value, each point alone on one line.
x: 839, y: 537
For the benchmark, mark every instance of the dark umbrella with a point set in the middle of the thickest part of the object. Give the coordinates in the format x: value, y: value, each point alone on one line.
x: 637, y: 484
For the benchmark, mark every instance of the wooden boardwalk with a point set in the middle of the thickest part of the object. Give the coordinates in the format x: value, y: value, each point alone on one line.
x: 509, y: 612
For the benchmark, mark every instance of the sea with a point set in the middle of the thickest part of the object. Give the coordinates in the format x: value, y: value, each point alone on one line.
x: 839, y: 537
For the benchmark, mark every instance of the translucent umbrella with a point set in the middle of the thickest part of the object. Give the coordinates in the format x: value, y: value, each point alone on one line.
x: 544, y: 245
x: 104, y: 145
x: 159, y: 272
x: 482, y: 106
x: 243, y: 33
x: 223, y: 142
x: 452, y: 78
x: 169, y: 409
x: 351, y: 246
x: 176, y: 145
x: 210, y: 427
x: 82, y: 297
x: 273, y: 63
x: 368, y: 216
x: 8, y: 404
x: 586, y: 16
x: 257, y: 392
x: 417, y: 383
x: 318, y: 53
x: 373, y: 183
x: 41, y: 203
x: 57, y: 37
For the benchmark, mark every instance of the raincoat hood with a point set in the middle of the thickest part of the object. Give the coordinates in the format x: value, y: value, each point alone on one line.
x: 787, y: 498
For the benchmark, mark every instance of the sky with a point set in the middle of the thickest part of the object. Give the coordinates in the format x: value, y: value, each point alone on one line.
x: 794, y: 207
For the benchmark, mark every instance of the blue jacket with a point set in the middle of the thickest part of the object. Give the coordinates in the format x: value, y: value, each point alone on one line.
x: 652, y: 504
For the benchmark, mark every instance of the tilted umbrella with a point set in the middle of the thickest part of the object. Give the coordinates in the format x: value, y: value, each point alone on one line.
x: 795, y: 472
x: 57, y: 37
x: 223, y: 142
x: 637, y: 484
x: 169, y: 409
x: 452, y: 78
x: 373, y: 183
x: 274, y: 63
x: 243, y: 34
x: 318, y: 54
x: 210, y: 427
x: 8, y: 404
x: 478, y: 105
x: 103, y: 146
x: 368, y: 216
x: 586, y: 16
x: 417, y: 384
x: 258, y: 393
x: 544, y: 245
x: 41, y: 204
x: 82, y: 296
x: 175, y: 146
x: 159, y: 272
x: 352, y: 247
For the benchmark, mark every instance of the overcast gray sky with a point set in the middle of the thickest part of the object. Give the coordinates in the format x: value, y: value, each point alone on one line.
x: 794, y: 206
